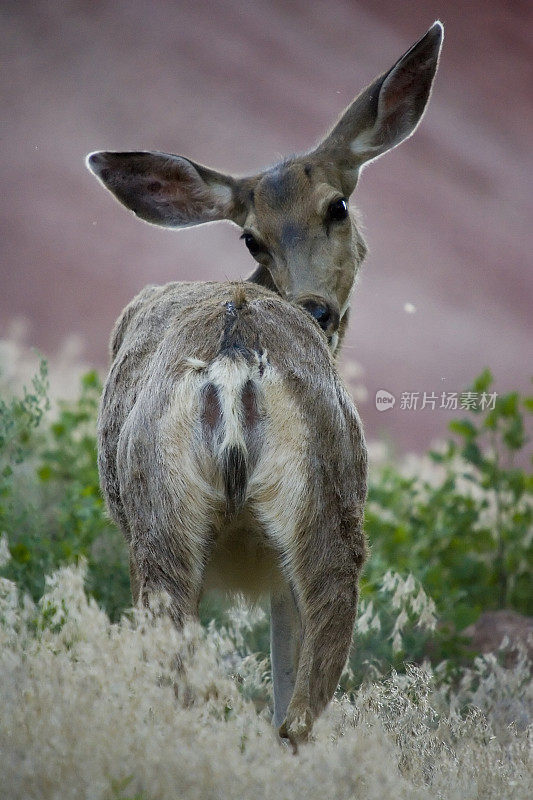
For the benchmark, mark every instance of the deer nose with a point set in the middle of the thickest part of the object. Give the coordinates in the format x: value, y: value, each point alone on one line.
x: 326, y: 316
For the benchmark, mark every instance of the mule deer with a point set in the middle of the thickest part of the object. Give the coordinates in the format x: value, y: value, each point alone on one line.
x: 230, y: 454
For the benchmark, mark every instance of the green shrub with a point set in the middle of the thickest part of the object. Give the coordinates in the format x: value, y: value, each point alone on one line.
x: 462, y: 524
x: 52, y: 510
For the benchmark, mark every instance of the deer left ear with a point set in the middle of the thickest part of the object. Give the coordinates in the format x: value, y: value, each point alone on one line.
x: 388, y: 111
x: 167, y: 190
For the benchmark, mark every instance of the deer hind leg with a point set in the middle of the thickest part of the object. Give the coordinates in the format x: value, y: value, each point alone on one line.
x: 169, y: 554
x: 285, y: 631
x: 171, y: 505
x: 325, y: 581
x: 172, y: 540
x: 162, y: 564
x: 312, y: 626
x: 320, y: 547
x: 326, y: 640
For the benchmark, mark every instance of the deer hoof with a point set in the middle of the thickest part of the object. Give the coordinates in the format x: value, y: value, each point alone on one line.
x: 297, y: 725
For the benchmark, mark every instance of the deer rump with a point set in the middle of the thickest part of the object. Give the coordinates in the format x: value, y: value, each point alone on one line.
x: 229, y: 451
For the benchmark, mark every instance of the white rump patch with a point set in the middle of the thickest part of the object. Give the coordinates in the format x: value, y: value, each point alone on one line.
x: 229, y: 377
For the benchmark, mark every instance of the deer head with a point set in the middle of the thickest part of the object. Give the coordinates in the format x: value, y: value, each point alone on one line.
x: 295, y: 217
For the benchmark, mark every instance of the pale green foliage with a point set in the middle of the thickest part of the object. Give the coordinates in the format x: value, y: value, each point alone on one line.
x: 135, y: 709
x: 459, y: 519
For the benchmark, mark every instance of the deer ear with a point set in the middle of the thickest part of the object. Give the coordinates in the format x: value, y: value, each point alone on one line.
x: 388, y: 111
x: 165, y: 189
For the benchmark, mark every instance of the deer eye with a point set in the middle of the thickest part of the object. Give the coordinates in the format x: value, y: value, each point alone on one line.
x: 337, y: 210
x: 252, y: 244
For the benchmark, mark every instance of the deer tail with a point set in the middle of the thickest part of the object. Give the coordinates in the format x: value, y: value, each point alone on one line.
x: 230, y: 405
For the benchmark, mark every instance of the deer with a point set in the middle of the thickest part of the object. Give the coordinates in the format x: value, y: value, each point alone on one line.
x: 230, y: 454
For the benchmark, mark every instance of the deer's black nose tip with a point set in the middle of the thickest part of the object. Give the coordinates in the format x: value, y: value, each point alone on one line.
x: 324, y: 314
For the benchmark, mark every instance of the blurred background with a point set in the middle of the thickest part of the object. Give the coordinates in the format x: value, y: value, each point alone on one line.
x: 446, y: 289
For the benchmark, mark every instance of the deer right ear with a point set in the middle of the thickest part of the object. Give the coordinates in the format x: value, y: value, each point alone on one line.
x: 165, y: 189
x: 386, y: 112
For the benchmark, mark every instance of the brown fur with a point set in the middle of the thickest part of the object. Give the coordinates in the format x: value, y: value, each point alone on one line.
x: 230, y: 454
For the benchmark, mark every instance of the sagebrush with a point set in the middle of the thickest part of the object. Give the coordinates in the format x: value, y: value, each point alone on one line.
x: 134, y: 709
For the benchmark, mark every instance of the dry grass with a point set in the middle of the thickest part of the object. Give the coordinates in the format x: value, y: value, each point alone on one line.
x: 137, y: 710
